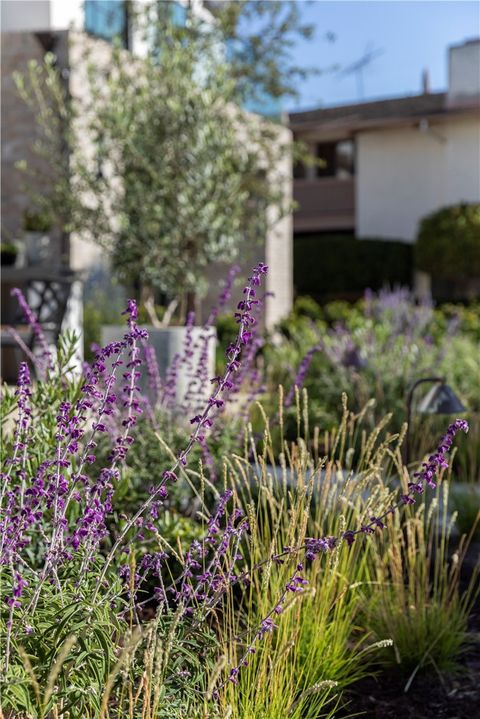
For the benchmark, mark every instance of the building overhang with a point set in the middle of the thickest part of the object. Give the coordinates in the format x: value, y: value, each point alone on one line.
x: 348, y: 127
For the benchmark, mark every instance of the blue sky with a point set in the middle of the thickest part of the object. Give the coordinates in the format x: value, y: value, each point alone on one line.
x: 406, y: 37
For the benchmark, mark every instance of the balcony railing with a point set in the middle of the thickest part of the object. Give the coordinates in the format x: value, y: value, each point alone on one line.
x: 324, y: 203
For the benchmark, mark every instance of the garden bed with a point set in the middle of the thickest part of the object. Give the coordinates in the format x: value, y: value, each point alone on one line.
x: 271, y: 581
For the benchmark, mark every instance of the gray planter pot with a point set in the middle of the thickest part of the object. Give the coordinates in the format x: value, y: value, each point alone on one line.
x: 41, y: 249
x: 168, y: 342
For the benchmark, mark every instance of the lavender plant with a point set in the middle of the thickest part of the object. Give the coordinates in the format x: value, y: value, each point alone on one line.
x: 55, y: 518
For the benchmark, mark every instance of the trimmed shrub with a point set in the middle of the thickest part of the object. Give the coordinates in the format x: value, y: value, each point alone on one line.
x: 448, y: 244
x: 343, y: 267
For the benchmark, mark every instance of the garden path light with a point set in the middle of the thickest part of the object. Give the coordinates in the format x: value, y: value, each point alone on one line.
x: 441, y: 399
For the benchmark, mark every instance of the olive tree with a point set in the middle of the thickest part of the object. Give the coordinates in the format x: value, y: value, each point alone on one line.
x: 176, y: 176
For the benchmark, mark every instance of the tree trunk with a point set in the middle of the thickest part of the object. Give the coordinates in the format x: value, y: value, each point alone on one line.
x: 148, y: 301
x: 167, y: 317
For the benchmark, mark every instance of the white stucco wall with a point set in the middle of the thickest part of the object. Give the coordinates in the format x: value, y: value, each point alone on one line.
x: 405, y: 173
x: 27, y: 15
x: 65, y: 14
x: 462, y: 161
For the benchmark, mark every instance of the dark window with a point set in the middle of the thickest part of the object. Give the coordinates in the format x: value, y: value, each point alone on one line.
x: 337, y: 159
x: 107, y: 19
x: 327, y: 156
x: 299, y: 170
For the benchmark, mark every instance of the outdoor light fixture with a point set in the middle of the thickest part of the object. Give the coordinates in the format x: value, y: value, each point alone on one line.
x: 441, y: 399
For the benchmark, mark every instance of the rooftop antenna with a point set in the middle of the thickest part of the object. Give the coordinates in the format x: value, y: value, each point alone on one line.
x: 426, y: 82
x: 357, y: 67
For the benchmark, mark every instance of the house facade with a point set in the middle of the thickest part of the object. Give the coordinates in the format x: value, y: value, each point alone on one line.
x: 33, y: 27
x: 386, y: 164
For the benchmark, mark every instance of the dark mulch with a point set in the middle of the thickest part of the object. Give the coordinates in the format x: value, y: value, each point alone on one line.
x: 429, y: 697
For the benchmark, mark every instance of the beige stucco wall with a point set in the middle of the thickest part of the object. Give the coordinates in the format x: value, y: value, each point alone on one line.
x: 462, y: 161
x: 85, y: 255
x: 19, y: 128
x: 463, y: 72
x: 279, y: 241
x: 405, y: 173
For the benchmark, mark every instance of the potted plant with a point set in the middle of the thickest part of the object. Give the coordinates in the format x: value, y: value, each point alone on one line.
x: 38, y: 241
x: 8, y: 253
x: 193, y: 194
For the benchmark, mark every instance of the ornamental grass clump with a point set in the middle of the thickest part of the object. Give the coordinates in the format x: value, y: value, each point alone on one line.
x: 361, y: 507
x: 291, y: 648
x: 415, y: 593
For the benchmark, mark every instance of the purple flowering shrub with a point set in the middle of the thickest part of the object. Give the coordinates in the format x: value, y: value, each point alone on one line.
x: 58, y: 519
x: 376, y: 349
x: 165, y: 425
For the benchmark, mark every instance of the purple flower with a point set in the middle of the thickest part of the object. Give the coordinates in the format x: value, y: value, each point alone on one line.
x: 265, y: 627
x: 349, y: 537
x: 302, y: 373
x: 44, y: 362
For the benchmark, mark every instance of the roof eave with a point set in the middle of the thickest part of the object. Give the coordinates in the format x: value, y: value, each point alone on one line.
x: 348, y: 126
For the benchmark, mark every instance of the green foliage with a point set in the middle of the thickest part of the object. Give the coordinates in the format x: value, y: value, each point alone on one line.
x: 37, y: 221
x: 8, y: 248
x: 307, y: 307
x: 193, y: 205
x: 59, y: 206
x: 62, y: 384
x: 156, y: 445
x: 465, y: 503
x: 467, y: 317
x: 448, y: 243
x: 74, y: 658
x: 341, y: 266
x: 260, y: 36
x: 227, y: 330
x: 81, y: 648
x: 97, y: 311
x: 64, y: 654
x: 316, y: 651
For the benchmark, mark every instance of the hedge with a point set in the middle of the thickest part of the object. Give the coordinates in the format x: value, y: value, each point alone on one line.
x: 343, y: 267
x: 448, y: 244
